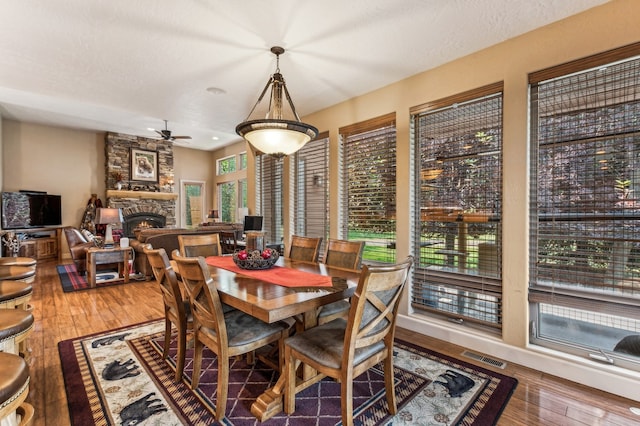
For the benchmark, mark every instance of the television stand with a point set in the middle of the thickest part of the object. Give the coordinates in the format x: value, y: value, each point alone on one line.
x: 37, y: 243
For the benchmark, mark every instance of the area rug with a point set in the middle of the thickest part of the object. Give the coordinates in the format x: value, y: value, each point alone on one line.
x: 71, y: 280
x: 119, y: 378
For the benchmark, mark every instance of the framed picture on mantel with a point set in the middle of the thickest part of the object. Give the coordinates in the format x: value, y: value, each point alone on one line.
x: 144, y: 165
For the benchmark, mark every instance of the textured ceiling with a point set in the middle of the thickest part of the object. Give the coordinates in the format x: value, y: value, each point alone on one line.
x: 127, y: 65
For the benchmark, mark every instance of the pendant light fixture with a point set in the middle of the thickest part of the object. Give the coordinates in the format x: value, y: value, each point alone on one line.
x: 274, y: 134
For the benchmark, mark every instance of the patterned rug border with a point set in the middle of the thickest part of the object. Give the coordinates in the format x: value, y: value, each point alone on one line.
x: 484, y: 408
x: 497, y: 383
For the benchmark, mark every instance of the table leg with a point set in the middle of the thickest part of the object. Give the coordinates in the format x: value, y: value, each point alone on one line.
x: 91, y: 270
x: 125, y: 255
x: 271, y: 402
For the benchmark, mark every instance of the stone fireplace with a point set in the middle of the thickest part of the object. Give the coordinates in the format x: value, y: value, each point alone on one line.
x: 143, y: 204
x: 157, y: 209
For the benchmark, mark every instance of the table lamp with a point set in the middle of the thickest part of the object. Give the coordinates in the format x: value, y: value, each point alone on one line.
x: 213, y: 214
x: 105, y: 216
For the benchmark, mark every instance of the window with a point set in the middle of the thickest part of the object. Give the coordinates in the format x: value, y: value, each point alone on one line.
x: 243, y: 193
x: 369, y: 187
x: 269, y: 194
x: 228, y: 196
x: 192, y: 196
x: 458, y: 192
x: 311, y: 190
x: 226, y: 165
x: 585, y: 207
x: 243, y: 161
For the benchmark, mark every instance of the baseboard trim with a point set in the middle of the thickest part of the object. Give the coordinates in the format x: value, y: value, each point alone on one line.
x: 608, y: 378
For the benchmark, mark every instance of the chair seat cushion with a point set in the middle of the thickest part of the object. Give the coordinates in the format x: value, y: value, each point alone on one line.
x: 10, y: 272
x: 243, y: 329
x: 14, y: 322
x: 13, y: 289
x: 325, y: 344
x: 13, y: 376
x: 334, y: 308
x: 17, y: 261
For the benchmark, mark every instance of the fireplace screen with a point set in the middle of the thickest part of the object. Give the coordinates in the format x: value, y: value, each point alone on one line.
x: 142, y: 220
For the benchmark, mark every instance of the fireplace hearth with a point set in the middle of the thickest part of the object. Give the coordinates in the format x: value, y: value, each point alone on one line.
x: 142, y: 220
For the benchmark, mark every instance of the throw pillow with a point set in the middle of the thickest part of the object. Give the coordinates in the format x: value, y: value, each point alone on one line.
x: 89, y: 236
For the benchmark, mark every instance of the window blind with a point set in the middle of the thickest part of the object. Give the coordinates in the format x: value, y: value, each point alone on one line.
x: 311, y: 190
x: 269, y: 205
x: 369, y: 187
x: 458, y: 187
x: 585, y: 210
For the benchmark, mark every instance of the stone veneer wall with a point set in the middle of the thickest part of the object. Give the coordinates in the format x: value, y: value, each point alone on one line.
x: 117, y: 155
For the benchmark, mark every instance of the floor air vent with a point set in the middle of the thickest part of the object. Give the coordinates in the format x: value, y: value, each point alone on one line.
x: 484, y: 359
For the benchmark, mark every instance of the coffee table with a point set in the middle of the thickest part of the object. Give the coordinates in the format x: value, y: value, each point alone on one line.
x: 102, y: 256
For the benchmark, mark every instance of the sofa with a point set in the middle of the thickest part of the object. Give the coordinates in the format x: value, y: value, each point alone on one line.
x: 167, y: 238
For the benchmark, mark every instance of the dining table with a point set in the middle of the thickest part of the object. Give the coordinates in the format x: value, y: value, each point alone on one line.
x: 289, y: 290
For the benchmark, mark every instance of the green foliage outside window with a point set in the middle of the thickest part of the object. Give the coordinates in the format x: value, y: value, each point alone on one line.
x: 227, y: 165
x: 228, y: 201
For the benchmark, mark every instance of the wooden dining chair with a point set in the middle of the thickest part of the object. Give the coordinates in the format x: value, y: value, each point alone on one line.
x: 344, y: 349
x: 177, y: 310
x: 341, y: 254
x: 199, y: 245
x: 305, y: 249
x: 228, y: 242
x: 226, y: 334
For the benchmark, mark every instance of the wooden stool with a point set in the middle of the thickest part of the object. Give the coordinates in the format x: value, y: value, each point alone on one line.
x: 14, y: 388
x: 15, y: 295
x: 17, y: 261
x: 20, y: 273
x: 15, y: 326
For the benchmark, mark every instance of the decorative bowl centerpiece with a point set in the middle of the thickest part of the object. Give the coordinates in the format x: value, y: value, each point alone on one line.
x: 255, y: 259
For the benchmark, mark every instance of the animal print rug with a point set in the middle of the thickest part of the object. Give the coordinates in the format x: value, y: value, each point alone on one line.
x: 119, y: 378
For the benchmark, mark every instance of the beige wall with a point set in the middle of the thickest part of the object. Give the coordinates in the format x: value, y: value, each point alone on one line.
x: 57, y: 160
x: 193, y: 165
x: 612, y: 25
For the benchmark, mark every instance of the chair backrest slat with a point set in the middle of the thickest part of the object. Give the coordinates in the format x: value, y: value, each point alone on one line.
x: 228, y: 242
x: 344, y: 254
x: 374, y: 306
x: 199, y: 245
x: 167, y: 279
x: 304, y: 248
x: 205, y: 300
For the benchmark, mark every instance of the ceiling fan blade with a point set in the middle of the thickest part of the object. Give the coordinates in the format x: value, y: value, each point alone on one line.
x: 159, y: 132
x: 181, y: 137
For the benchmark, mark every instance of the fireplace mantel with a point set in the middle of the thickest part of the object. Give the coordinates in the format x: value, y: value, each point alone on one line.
x: 114, y: 193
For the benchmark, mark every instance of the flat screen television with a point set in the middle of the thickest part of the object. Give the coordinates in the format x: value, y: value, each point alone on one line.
x: 252, y: 223
x: 30, y: 209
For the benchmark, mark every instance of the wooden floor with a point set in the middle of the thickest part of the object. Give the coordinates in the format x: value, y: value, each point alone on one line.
x: 539, y: 399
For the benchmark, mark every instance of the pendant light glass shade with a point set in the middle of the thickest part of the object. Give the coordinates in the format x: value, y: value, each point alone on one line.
x: 275, y: 135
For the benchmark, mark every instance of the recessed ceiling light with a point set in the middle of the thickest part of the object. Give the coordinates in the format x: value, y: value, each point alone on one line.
x: 215, y: 138
x: 216, y: 91
x: 151, y: 129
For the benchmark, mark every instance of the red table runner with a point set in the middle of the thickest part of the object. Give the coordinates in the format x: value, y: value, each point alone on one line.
x: 279, y: 275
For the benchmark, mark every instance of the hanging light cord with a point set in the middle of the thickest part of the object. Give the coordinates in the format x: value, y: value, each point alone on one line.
x: 274, y: 79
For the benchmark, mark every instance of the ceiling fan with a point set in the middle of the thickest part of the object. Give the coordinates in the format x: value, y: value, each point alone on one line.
x: 166, y: 134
